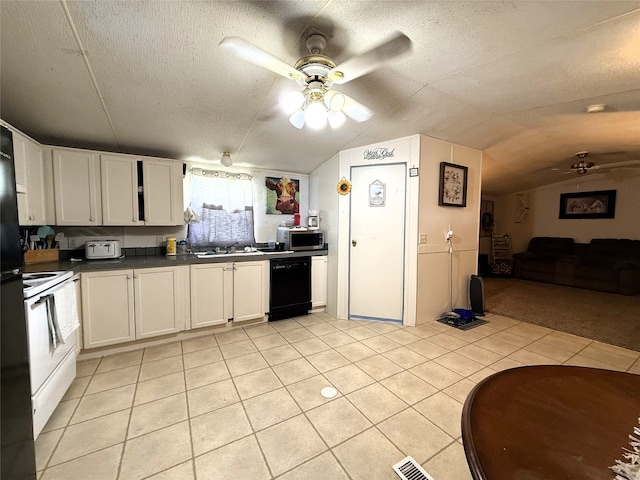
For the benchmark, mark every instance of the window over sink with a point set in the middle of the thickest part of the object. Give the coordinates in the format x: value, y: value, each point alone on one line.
x: 225, y: 209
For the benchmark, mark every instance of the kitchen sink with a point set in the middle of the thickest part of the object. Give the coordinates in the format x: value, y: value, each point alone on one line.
x: 225, y: 254
x: 213, y: 254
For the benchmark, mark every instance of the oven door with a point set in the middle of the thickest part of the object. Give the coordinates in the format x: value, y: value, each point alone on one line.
x: 44, y: 353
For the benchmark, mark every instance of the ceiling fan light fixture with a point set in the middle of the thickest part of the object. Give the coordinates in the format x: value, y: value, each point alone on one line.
x: 291, y: 101
x: 596, y: 108
x: 336, y: 119
x: 297, y: 119
x: 334, y: 100
x: 226, y: 159
x: 315, y: 115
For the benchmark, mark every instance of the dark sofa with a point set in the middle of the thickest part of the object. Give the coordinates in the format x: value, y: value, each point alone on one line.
x: 604, y: 264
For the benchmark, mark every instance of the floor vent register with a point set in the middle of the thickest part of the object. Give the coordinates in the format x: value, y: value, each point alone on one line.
x: 409, y: 469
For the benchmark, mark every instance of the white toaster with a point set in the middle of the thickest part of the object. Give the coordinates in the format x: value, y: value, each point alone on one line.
x: 102, y: 249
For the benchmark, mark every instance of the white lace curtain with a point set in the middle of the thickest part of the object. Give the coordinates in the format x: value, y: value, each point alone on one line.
x: 225, y: 208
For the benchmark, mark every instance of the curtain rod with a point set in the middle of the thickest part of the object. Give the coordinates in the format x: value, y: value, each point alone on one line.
x: 220, y: 174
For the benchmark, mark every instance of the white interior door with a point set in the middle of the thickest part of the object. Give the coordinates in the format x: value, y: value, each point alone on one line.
x: 377, y: 256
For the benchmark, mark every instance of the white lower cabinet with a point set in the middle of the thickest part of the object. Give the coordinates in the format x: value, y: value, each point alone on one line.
x: 221, y: 292
x: 124, y: 305
x: 208, y: 291
x: 318, y: 281
x: 250, y: 290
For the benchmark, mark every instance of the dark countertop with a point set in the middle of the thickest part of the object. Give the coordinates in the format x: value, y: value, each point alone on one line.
x: 149, y: 261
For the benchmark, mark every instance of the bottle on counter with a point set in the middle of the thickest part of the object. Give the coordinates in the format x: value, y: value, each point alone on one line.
x: 181, y: 246
x: 171, y: 246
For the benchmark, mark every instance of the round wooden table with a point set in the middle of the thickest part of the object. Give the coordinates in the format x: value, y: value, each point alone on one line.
x: 549, y: 422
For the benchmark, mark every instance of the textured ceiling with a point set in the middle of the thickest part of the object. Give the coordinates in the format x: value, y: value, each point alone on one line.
x: 510, y: 78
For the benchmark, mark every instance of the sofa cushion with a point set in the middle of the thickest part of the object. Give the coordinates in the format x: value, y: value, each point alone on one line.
x: 550, y: 247
x: 542, y: 267
x: 604, y: 274
x: 610, y: 247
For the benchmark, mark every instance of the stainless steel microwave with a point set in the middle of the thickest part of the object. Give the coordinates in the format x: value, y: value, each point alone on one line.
x: 301, y: 239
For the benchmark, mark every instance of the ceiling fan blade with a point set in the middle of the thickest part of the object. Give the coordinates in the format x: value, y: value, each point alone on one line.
x: 355, y: 110
x: 365, y: 62
x: 627, y: 163
x: 247, y: 51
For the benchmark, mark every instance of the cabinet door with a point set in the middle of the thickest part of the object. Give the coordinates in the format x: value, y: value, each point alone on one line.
x: 208, y: 292
x: 249, y: 290
x: 35, y: 177
x: 162, y: 181
x: 119, y: 181
x: 107, y: 308
x: 159, y: 300
x: 318, y: 281
x: 77, y: 187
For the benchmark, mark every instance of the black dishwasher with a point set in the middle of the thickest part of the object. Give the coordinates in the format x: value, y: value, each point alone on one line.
x: 290, y: 287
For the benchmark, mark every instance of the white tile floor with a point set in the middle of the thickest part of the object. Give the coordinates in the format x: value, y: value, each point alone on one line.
x: 246, y: 403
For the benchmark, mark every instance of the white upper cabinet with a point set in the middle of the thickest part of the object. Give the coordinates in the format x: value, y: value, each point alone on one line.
x: 110, y: 189
x: 34, y: 181
x: 119, y: 178
x: 76, y: 176
x: 162, y: 187
x: 122, y: 188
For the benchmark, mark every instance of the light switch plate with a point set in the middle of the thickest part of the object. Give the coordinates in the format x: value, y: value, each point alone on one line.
x: 423, y: 239
x: 413, y: 172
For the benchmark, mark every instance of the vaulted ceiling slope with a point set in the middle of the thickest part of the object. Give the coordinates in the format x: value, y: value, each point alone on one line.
x: 147, y: 77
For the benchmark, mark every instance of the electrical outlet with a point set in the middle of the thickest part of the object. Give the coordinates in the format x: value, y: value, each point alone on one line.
x: 71, y: 241
x: 423, y: 239
x: 160, y: 241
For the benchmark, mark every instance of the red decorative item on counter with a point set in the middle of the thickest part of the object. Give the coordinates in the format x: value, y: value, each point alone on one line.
x: 296, y: 219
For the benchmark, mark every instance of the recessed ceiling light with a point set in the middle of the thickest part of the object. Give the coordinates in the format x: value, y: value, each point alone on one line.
x: 599, y: 107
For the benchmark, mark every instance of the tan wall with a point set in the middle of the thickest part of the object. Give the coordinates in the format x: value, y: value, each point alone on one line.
x: 434, y: 220
x: 545, y: 203
x: 323, y: 197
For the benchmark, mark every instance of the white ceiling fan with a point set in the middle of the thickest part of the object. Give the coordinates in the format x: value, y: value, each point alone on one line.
x: 582, y: 166
x: 317, y: 103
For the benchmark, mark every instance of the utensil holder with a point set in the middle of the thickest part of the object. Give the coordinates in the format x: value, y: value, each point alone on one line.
x: 41, y: 256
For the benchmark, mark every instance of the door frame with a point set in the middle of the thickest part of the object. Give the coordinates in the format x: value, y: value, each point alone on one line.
x: 404, y: 150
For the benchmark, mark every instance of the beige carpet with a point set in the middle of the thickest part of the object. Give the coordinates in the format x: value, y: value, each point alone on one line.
x: 606, y: 317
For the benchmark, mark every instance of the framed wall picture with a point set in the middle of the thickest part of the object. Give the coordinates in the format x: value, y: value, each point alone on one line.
x: 377, y: 194
x: 453, y: 185
x: 599, y: 204
x: 283, y: 196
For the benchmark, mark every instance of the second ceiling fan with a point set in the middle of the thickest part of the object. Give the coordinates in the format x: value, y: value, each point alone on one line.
x: 583, y: 166
x: 317, y: 103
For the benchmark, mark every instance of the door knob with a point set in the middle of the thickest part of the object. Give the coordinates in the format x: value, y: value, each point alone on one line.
x: 354, y: 242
